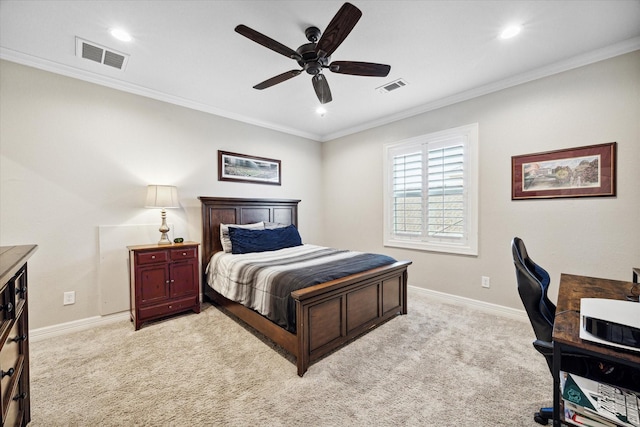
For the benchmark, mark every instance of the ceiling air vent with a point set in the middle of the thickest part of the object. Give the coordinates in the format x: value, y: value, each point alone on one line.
x: 396, y: 84
x: 103, y: 55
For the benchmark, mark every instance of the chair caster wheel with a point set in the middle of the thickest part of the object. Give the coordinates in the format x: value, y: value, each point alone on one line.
x: 540, y: 419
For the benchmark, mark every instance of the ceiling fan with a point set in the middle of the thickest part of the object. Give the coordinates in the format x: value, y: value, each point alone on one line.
x: 316, y: 55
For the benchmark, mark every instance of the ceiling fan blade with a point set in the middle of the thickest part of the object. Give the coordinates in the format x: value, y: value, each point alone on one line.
x: 267, y: 42
x: 277, y: 79
x: 322, y: 88
x: 360, y: 68
x: 338, y: 29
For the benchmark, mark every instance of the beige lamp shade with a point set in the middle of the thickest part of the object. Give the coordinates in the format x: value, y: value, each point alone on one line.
x: 162, y: 196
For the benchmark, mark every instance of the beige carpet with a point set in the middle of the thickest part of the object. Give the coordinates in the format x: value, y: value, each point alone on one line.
x: 440, y: 365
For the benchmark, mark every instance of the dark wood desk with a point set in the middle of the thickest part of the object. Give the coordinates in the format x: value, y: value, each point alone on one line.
x: 566, y: 328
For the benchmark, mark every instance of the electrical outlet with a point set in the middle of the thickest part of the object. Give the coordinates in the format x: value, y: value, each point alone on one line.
x: 486, y: 282
x: 69, y: 298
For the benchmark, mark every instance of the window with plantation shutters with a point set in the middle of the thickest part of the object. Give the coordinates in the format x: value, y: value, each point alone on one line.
x: 431, y: 192
x: 407, y: 193
x: 446, y: 195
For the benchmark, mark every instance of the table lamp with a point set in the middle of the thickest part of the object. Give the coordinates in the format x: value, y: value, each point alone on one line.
x: 162, y: 196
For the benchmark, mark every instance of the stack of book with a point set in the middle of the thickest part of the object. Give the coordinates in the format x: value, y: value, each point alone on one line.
x: 594, y: 404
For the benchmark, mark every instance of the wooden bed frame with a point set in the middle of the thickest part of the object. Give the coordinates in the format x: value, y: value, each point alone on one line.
x: 327, y: 315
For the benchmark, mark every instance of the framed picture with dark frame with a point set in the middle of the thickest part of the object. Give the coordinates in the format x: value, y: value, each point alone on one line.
x: 588, y: 171
x: 243, y: 168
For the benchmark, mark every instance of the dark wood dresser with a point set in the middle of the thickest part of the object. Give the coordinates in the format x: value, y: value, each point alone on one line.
x: 14, y: 335
x: 164, y: 280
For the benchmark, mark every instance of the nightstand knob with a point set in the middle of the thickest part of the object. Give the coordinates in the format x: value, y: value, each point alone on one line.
x: 153, y: 257
x: 7, y: 373
x: 7, y: 307
x: 21, y: 291
x: 184, y: 254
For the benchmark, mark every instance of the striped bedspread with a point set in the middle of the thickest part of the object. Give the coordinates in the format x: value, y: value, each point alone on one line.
x: 264, y: 281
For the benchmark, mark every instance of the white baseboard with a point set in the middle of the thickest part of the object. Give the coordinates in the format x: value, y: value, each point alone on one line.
x: 488, y: 307
x: 92, y: 322
x: 75, y: 326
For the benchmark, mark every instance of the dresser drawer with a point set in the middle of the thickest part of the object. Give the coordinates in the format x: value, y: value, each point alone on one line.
x: 151, y: 257
x: 168, y: 308
x: 17, y: 401
x: 7, y: 306
x: 10, y: 364
x: 20, y: 284
x: 186, y: 253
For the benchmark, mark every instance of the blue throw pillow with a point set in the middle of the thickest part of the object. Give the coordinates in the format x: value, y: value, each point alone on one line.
x: 245, y: 240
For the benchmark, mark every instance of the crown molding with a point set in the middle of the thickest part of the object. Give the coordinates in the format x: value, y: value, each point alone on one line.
x: 87, y: 76
x: 611, y: 51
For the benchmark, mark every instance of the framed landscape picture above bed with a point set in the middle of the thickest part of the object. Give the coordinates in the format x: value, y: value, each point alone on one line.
x: 243, y: 168
x: 574, y: 172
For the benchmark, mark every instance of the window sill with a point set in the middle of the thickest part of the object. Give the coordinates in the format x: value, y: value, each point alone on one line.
x: 433, y: 247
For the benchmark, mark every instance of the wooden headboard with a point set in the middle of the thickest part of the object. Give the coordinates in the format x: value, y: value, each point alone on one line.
x: 220, y: 210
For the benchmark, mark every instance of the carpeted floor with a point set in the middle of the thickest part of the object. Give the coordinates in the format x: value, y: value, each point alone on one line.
x: 440, y: 365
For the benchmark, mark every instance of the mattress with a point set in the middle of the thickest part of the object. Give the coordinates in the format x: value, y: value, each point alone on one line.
x: 263, y: 281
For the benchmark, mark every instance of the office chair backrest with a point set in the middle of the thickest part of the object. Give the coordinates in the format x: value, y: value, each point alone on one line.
x: 533, y: 282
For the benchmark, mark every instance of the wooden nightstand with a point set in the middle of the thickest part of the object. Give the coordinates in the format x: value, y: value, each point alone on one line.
x: 164, y: 280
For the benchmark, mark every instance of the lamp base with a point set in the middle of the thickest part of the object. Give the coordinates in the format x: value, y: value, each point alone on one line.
x: 164, y: 239
x: 164, y: 229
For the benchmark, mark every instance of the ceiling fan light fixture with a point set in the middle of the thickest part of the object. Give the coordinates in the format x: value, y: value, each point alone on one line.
x: 321, y: 111
x: 315, y: 56
x: 510, y: 32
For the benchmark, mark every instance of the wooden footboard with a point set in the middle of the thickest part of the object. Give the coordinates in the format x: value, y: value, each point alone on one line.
x: 328, y: 315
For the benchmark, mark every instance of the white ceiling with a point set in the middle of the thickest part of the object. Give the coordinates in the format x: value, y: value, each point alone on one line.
x: 187, y: 53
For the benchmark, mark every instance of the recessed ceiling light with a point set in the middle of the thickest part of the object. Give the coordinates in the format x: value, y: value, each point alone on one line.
x: 121, y: 34
x: 511, y: 31
x: 321, y: 111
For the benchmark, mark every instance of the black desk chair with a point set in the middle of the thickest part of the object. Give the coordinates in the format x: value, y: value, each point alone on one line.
x: 533, y: 282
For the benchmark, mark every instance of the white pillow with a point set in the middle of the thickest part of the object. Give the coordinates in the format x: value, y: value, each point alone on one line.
x: 225, y: 240
x: 273, y: 225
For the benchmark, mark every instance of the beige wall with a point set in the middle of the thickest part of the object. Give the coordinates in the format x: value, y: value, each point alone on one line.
x: 590, y: 236
x: 75, y: 156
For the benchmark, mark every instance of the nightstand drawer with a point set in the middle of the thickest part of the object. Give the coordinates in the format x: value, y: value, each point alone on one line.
x: 151, y: 257
x: 186, y: 253
x: 168, y: 308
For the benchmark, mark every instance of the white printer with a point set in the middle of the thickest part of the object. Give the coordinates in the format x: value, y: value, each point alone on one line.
x: 610, y: 322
